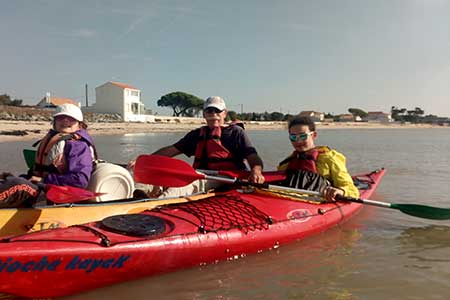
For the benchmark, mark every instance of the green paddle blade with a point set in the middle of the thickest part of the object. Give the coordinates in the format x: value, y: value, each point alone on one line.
x: 30, y: 157
x: 423, y: 211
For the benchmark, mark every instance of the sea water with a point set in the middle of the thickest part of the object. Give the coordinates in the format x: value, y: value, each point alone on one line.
x: 380, y: 253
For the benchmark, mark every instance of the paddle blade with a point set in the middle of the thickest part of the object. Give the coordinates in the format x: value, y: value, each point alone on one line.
x: 164, y: 171
x: 423, y: 211
x: 68, y: 194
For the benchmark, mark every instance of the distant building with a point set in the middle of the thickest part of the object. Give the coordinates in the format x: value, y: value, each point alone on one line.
x: 314, y: 115
x: 346, y: 118
x: 120, y: 98
x: 50, y: 101
x: 378, y: 116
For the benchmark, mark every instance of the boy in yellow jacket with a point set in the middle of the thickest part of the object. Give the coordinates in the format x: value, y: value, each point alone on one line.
x: 315, y: 167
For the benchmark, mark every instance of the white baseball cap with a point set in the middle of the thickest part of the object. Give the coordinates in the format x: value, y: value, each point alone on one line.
x: 215, y: 101
x: 68, y: 109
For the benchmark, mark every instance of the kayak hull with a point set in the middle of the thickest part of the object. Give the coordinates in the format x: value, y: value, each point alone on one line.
x: 92, y: 255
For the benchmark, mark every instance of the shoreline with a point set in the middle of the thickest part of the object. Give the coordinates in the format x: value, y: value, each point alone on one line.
x: 16, y: 131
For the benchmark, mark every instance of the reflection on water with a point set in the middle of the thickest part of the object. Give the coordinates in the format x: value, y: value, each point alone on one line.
x: 428, y: 237
x: 379, y: 254
x: 426, y: 244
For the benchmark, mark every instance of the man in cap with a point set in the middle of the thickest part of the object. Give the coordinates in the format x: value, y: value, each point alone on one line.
x: 216, y: 146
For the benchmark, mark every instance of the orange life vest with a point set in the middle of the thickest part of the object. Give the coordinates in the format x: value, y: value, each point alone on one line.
x: 58, y: 163
x: 210, y: 153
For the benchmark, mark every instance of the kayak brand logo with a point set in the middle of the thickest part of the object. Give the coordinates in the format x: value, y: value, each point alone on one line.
x: 299, y: 215
x: 43, y: 225
x: 10, y: 265
x: 90, y: 265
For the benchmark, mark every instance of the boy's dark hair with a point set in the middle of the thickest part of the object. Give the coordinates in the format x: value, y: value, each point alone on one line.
x: 302, y: 120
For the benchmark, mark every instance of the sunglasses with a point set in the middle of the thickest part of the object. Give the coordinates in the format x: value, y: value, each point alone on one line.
x: 211, y: 110
x: 301, y: 136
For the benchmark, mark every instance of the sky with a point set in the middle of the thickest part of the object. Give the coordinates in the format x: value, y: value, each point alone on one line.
x: 286, y: 56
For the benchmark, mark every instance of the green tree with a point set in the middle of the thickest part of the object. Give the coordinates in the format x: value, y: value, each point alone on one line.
x: 183, y: 104
x: 6, y: 100
x: 276, y: 116
x: 404, y: 115
x: 16, y: 102
x: 398, y: 114
x: 329, y: 116
x: 357, y: 112
x: 288, y: 117
x: 232, y: 115
x: 414, y: 116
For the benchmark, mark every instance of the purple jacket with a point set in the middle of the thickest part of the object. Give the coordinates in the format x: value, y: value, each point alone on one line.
x: 79, y: 163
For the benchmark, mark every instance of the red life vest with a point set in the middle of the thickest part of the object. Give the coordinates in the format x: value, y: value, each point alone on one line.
x: 302, y: 173
x: 304, y: 160
x: 210, y: 153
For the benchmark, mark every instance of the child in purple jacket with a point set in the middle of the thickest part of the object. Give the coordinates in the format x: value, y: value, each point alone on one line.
x: 64, y: 157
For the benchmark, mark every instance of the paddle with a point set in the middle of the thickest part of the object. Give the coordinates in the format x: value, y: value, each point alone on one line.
x: 68, y: 194
x: 170, y: 172
x: 156, y: 163
x: 416, y: 210
x: 269, y: 175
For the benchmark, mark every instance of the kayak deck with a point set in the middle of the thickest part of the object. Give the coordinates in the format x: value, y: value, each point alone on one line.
x: 23, y: 220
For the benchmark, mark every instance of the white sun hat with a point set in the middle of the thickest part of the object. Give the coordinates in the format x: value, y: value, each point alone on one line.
x: 215, y: 101
x: 68, y: 109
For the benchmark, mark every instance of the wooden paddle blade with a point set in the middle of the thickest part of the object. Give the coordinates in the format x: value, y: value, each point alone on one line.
x: 423, y: 211
x: 164, y: 171
x: 68, y: 194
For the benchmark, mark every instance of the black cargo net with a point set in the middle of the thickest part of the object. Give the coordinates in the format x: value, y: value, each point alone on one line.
x: 222, y: 212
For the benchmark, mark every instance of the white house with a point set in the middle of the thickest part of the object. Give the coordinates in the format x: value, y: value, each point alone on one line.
x: 378, y: 117
x: 120, y: 98
x: 314, y: 115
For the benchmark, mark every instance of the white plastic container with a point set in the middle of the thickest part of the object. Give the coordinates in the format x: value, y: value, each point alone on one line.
x: 113, y: 180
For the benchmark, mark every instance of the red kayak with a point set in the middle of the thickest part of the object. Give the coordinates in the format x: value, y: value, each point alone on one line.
x: 164, y: 239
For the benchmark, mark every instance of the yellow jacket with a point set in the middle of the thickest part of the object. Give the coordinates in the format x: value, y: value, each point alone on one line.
x: 331, y: 165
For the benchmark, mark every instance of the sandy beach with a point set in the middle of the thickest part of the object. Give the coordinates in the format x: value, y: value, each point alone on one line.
x: 24, y: 130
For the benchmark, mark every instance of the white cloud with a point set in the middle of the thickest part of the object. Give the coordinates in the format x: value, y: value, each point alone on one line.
x: 83, y: 33
x: 134, y: 25
x: 306, y: 28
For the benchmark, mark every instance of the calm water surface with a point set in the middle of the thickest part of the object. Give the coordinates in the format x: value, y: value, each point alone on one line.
x: 380, y: 253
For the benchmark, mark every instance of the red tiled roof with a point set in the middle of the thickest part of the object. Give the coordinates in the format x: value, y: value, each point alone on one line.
x: 123, y: 85
x: 58, y: 101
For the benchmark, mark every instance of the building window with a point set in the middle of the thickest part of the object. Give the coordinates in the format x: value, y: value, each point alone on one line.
x: 133, y: 93
x: 135, y: 108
